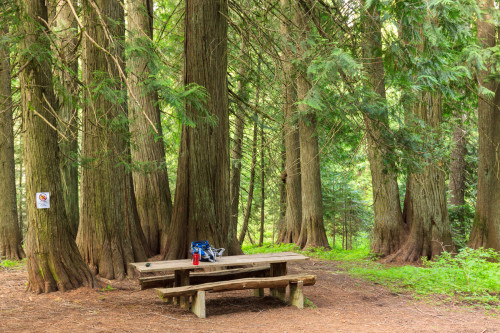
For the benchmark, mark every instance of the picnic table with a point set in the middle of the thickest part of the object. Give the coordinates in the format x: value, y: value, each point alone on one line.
x: 186, y: 283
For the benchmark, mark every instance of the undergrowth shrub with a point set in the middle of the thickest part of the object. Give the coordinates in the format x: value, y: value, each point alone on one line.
x: 471, y: 275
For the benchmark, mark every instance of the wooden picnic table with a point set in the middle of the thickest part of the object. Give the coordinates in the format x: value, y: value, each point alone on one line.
x: 182, y: 268
x: 279, y: 259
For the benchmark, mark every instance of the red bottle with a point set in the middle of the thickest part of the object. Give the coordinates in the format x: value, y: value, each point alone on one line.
x: 196, y: 258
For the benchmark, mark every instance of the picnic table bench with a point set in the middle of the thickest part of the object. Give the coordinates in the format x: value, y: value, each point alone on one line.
x: 267, y: 270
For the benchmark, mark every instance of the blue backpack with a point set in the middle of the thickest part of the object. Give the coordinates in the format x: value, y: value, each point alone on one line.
x: 206, y: 252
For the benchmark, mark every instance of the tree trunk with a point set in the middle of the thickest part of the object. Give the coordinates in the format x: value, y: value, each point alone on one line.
x: 10, y: 234
x: 202, y: 203
x: 151, y: 186
x: 293, y: 215
x: 66, y: 43
x: 281, y: 229
x: 53, y: 260
x: 237, y: 155
x: 425, y: 210
x: 456, y: 200
x: 21, y: 195
x: 248, y: 209
x: 457, y: 164
x: 312, y: 232
x: 388, y: 224
x: 486, y: 227
x: 109, y: 235
x: 262, y: 190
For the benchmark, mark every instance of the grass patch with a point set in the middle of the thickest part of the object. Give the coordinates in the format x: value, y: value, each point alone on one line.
x: 471, y: 276
x: 12, y: 264
x: 336, y: 254
x: 269, y: 248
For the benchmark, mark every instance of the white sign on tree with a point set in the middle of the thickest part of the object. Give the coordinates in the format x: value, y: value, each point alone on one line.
x: 42, y: 200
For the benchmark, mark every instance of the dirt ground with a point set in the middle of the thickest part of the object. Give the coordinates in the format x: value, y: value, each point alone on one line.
x: 338, y: 303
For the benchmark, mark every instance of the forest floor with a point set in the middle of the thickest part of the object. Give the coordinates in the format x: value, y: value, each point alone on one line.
x: 337, y: 303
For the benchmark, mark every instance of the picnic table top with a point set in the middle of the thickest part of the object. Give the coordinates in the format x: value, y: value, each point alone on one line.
x: 239, y: 260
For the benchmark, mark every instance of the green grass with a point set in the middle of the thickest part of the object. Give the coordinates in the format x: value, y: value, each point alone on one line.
x: 336, y: 253
x: 11, y: 264
x: 471, y: 276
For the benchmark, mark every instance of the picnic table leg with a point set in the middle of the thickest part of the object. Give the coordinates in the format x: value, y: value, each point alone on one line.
x: 278, y: 269
x: 199, y: 308
x: 182, y: 279
x: 258, y: 292
x: 297, y: 294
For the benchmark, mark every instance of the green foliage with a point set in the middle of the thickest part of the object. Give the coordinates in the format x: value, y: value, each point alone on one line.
x: 269, y: 248
x: 335, y: 253
x: 308, y: 303
x: 338, y: 254
x: 471, y: 276
x: 107, y: 288
x: 12, y: 264
x: 461, y: 219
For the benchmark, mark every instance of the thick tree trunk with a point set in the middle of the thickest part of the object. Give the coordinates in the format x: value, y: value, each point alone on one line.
x: 486, y: 228
x: 109, y: 235
x: 457, y: 164
x: 388, y: 225
x: 312, y: 233
x: 425, y: 211
x: 202, y: 203
x: 290, y: 231
x: 10, y: 234
x: 152, y: 192
x: 53, y: 260
x: 66, y: 43
x: 248, y: 209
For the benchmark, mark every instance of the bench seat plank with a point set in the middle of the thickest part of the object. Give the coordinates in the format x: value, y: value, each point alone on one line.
x: 239, y: 284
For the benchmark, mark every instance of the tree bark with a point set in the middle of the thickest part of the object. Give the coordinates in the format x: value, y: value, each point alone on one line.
x: 151, y: 186
x: 109, y: 235
x: 262, y: 189
x: 10, y: 234
x: 53, y: 260
x: 237, y: 155
x: 290, y: 230
x: 425, y: 211
x: 312, y: 232
x: 251, y: 184
x: 457, y: 164
x: 486, y: 228
x: 66, y: 43
x: 282, y: 187
x: 388, y: 224
x: 202, y: 203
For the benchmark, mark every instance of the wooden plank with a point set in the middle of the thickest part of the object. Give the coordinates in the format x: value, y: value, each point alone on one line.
x: 204, y: 277
x: 297, y: 294
x: 242, y: 260
x: 248, y: 283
